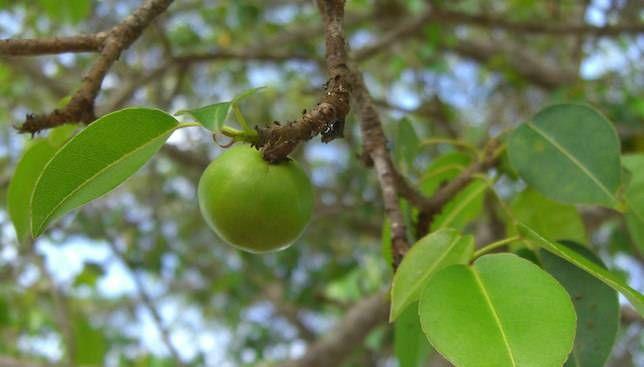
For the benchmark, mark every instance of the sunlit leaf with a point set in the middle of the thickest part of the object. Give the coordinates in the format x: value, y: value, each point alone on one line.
x: 97, y: 160
x: 501, y: 311
x: 212, y: 117
x: 552, y: 219
x: 427, y: 256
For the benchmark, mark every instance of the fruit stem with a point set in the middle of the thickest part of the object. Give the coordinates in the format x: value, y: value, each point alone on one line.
x: 249, y: 136
x: 240, y: 118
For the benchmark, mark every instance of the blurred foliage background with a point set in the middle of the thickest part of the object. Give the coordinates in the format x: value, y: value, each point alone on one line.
x: 137, y: 278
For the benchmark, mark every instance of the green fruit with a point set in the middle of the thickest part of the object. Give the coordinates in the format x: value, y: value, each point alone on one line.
x: 254, y: 205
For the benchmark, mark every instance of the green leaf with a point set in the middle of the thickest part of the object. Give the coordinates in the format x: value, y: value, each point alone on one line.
x: 385, y: 241
x: 245, y: 94
x: 464, y: 207
x: 554, y: 220
x: 501, y: 311
x: 443, y: 169
x: 634, y: 195
x: 90, y: 344
x: 596, y: 305
x: 569, y: 153
x: 407, y: 144
x: 89, y: 275
x: 635, y: 227
x: 72, y: 11
x: 410, y: 345
x: 212, y: 117
x: 97, y: 160
x: 634, y: 297
x: 427, y: 256
x: 22, y: 185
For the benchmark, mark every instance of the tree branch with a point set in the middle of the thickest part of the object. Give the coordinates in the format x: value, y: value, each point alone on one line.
x: 148, y: 303
x: 327, y: 118
x: 52, y: 45
x: 81, y: 106
x: 347, y: 335
x: 375, y: 145
x: 432, y: 206
x: 541, y: 27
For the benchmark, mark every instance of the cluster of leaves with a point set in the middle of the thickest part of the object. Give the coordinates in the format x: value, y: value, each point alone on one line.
x: 551, y: 299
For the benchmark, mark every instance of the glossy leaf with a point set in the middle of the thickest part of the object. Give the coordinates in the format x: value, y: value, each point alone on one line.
x: 535, y: 239
x: 595, y: 303
x: 501, y: 311
x: 554, y: 220
x: 569, y: 153
x: 212, y: 117
x: 410, y: 344
x: 463, y: 208
x: 427, y: 256
x: 97, y: 160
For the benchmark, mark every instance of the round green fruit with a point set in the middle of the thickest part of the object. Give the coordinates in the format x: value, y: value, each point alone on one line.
x: 254, y: 205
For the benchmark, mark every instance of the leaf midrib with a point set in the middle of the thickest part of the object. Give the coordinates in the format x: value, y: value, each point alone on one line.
x: 84, y: 183
x: 488, y: 301
x: 574, y: 160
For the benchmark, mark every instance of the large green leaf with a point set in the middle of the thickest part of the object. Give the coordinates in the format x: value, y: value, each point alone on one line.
x: 23, y: 182
x: 410, y: 345
x: 97, y: 160
x: 569, y: 153
x: 634, y: 195
x: 212, y: 117
x: 535, y: 239
x: 501, y: 311
x: 595, y: 303
x: 430, y: 254
x: 552, y: 219
x: 465, y: 206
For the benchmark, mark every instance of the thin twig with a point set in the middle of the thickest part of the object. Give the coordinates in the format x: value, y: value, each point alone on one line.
x: 148, y: 303
x: 81, y: 106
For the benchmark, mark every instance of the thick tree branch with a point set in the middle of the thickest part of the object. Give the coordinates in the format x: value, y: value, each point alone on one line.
x: 327, y: 118
x: 375, y: 145
x: 81, y: 106
x: 52, y: 45
x: 348, y: 334
x: 540, y: 27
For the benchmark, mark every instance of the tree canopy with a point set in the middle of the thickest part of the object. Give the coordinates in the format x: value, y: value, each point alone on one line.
x: 434, y: 133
